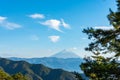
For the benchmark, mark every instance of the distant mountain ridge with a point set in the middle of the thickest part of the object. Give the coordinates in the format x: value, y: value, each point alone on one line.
x: 35, y: 71
x: 69, y: 64
x: 65, y: 54
x: 65, y: 59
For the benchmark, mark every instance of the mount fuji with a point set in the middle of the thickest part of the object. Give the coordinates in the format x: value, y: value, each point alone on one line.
x: 65, y: 54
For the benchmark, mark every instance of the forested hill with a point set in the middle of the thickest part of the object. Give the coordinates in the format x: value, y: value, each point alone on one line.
x: 34, y: 71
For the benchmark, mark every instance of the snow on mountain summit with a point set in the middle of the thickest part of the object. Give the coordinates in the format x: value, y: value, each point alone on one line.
x: 65, y: 54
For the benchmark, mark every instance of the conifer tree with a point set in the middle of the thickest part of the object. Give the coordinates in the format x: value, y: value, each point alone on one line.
x: 98, y: 66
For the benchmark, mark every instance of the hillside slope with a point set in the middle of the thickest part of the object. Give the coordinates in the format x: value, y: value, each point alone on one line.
x: 35, y: 71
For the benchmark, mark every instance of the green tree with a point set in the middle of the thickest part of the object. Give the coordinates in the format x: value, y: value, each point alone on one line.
x: 78, y: 76
x: 98, y: 66
x: 19, y: 76
x: 4, y: 75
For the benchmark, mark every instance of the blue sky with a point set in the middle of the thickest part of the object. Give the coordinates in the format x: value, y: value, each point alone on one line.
x: 40, y: 28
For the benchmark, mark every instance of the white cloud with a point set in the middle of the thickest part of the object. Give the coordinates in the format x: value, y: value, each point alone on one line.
x: 55, y: 24
x: 34, y: 38
x: 11, y: 26
x: 74, y: 48
x: 54, y: 39
x: 52, y: 23
x: 84, y: 38
x: 8, y: 25
x: 37, y: 16
x: 2, y: 19
x: 65, y: 25
x: 104, y: 27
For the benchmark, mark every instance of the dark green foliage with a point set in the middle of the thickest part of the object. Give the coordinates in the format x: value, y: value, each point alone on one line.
x: 104, y: 41
x: 98, y: 66
x: 78, y: 76
x: 6, y: 76
x: 101, y: 69
x: 19, y: 76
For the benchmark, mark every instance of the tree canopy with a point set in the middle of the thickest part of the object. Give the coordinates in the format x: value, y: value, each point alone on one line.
x: 6, y: 76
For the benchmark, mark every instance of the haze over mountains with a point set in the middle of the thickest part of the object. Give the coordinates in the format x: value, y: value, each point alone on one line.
x: 65, y: 59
